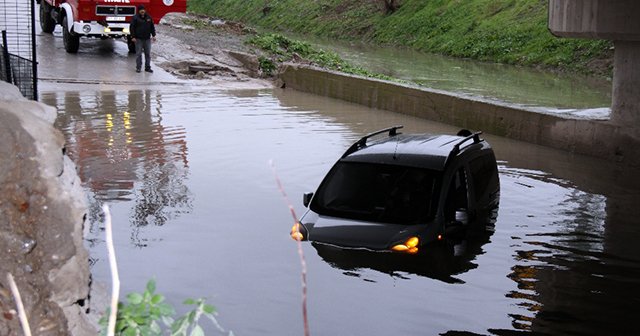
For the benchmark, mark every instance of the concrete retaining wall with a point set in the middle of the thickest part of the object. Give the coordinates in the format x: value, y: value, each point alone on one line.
x: 591, y: 137
x: 42, y: 212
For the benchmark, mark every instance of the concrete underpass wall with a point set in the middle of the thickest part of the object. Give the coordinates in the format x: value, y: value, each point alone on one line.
x: 591, y: 137
x: 42, y: 212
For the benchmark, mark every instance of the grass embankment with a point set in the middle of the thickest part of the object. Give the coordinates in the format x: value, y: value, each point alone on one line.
x: 503, y: 31
x: 281, y: 49
x: 277, y: 49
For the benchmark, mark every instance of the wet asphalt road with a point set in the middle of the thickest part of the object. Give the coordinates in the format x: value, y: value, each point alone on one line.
x: 97, y: 62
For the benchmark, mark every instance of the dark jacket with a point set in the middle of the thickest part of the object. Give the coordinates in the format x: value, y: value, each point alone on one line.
x: 142, y: 27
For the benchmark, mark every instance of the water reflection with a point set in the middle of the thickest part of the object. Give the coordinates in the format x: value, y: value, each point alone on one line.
x: 564, y: 274
x: 124, y: 151
x: 440, y: 261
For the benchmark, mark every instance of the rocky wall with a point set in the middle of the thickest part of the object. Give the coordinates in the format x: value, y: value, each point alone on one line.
x: 42, y: 213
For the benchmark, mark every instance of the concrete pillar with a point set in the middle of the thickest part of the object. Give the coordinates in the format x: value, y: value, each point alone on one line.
x: 616, y: 20
x: 596, y: 19
x: 626, y: 84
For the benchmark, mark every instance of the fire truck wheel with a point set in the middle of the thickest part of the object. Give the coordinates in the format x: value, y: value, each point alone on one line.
x: 71, y: 40
x: 46, y: 20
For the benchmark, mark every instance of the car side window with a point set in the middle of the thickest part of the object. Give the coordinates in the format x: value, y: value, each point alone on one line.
x: 457, y: 195
x: 483, y: 174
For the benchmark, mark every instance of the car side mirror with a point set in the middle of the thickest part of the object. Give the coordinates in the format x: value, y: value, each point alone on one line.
x: 306, y: 199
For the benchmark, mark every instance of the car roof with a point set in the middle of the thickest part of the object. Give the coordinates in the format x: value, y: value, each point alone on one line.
x: 418, y: 150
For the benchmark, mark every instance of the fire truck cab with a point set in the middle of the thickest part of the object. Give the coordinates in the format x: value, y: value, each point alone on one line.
x: 99, y: 18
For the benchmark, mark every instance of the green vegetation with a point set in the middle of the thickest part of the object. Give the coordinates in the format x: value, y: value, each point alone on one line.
x: 505, y: 31
x: 281, y: 49
x: 197, y: 23
x: 143, y: 312
x: 267, y: 65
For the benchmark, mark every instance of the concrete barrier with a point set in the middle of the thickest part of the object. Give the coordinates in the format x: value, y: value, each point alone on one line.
x: 591, y: 137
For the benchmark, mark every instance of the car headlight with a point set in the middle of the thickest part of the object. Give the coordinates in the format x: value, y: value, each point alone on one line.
x: 86, y: 29
x: 409, y: 246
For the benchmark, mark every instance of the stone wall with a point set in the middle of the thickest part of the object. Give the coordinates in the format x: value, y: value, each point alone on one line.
x: 42, y: 212
x: 591, y: 137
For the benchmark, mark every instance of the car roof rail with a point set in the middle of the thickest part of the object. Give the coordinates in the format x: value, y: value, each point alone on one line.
x: 393, y: 131
x: 456, y: 148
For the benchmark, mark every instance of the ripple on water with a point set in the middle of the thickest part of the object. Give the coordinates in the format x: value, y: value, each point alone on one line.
x: 188, y: 171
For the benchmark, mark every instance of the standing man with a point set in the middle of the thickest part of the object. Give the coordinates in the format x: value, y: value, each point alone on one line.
x: 142, y: 32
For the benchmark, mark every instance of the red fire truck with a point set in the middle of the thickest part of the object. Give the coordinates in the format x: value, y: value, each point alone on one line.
x: 99, y: 18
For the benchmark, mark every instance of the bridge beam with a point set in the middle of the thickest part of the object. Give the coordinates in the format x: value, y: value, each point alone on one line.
x: 616, y: 20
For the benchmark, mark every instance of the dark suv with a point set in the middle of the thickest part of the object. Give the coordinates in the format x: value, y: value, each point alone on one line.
x: 402, y: 191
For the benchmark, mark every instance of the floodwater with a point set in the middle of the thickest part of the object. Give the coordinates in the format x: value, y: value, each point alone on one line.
x: 553, y: 92
x: 195, y: 205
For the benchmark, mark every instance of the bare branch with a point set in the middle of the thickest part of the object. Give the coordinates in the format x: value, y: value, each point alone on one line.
x: 303, y: 263
x: 115, y: 279
x: 21, y: 313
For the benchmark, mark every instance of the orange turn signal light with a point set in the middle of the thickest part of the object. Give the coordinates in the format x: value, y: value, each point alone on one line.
x: 295, y: 232
x: 409, y: 246
x: 400, y: 247
x: 412, y: 242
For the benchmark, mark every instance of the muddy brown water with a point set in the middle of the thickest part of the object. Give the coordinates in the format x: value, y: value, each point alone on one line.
x: 563, y: 93
x: 195, y: 205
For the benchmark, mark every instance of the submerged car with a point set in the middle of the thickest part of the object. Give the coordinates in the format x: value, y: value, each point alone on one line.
x: 397, y: 192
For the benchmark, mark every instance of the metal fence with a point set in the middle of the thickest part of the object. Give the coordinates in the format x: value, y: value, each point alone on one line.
x: 18, y: 48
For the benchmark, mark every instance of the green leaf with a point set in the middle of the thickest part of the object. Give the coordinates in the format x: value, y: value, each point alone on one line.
x: 151, y: 286
x: 120, y: 325
x: 179, y: 324
x: 146, y: 296
x: 197, y: 331
x: 130, y: 332
x: 134, y: 298
x: 157, y: 299
x: 154, y: 313
x: 209, y: 309
x: 189, y: 301
x: 191, y: 317
x: 142, y: 320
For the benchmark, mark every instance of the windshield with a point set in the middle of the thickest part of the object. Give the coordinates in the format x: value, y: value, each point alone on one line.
x: 377, y: 192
